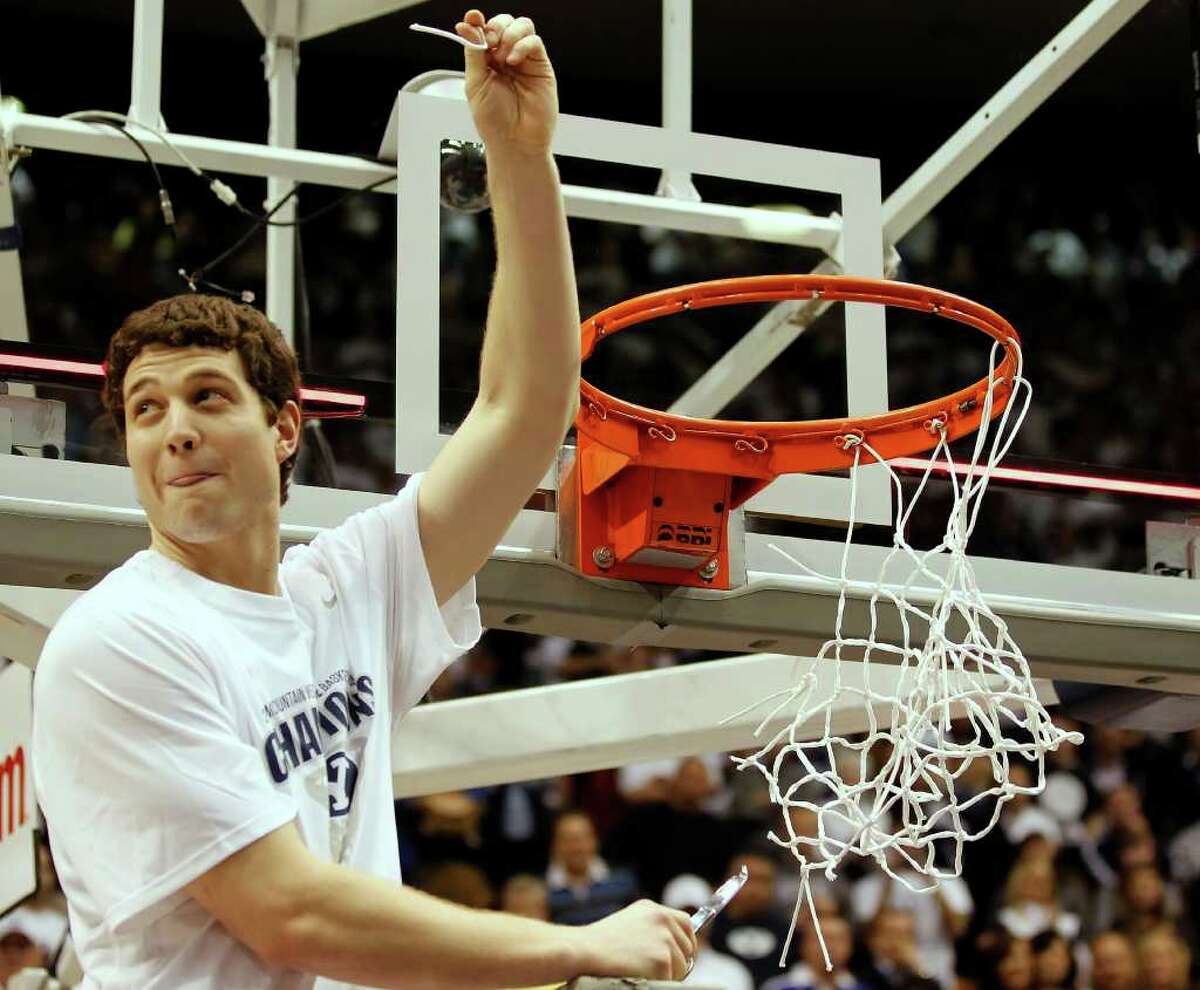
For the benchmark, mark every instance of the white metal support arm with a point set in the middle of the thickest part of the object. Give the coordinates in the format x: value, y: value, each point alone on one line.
x: 281, y: 64
x: 145, y: 88
x: 1086, y: 34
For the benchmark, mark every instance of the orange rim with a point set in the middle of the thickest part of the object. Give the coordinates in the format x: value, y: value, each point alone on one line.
x: 766, y: 450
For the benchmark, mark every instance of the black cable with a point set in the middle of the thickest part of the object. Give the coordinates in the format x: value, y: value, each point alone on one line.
x: 138, y: 144
x: 265, y: 221
x: 197, y: 276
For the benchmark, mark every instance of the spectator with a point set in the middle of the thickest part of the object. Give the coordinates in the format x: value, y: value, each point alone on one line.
x: 1031, y: 901
x: 810, y: 973
x: 462, y: 883
x: 20, y: 948
x: 1164, y: 960
x: 664, y: 838
x: 1054, y: 966
x: 1008, y: 962
x: 687, y: 892
x: 1143, y: 901
x: 749, y: 929
x: 526, y: 895
x: 940, y: 915
x: 33, y: 934
x: 647, y: 783
x: 892, y: 960
x: 1114, y: 962
x: 582, y: 886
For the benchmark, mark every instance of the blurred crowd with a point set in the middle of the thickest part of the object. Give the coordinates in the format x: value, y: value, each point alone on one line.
x: 1105, y: 292
x: 1092, y: 885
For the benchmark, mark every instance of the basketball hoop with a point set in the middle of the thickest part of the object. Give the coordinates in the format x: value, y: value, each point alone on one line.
x: 650, y: 492
x: 642, y: 478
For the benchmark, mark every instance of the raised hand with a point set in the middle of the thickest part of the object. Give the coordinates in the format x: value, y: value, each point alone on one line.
x: 510, y: 87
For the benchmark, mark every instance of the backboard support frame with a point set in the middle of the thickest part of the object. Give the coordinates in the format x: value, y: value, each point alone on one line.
x: 1102, y: 627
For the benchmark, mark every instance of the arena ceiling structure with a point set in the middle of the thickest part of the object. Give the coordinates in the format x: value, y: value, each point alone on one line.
x: 935, y: 93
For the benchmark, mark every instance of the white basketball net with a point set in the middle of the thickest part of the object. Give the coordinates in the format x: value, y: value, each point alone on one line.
x: 955, y: 659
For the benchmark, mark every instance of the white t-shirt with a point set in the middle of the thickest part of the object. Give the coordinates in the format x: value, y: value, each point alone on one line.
x: 177, y: 720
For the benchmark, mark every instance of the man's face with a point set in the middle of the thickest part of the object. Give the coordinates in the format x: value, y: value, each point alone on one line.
x: 839, y: 941
x: 575, y: 843
x: 892, y: 936
x: 1114, y: 966
x: 204, y: 458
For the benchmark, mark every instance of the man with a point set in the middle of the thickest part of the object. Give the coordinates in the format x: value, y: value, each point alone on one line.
x: 582, y: 886
x: 1114, y: 962
x: 810, y: 973
x: 212, y: 728
x: 526, y: 895
x: 893, y: 962
x: 940, y: 915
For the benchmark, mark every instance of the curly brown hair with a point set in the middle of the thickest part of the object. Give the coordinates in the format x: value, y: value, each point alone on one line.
x: 195, y: 320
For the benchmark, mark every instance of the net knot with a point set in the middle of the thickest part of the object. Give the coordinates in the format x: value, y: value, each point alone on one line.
x: 849, y: 440
x: 752, y: 445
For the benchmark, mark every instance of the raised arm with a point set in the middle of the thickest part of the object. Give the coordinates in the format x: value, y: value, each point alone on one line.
x: 529, y: 375
x: 297, y: 912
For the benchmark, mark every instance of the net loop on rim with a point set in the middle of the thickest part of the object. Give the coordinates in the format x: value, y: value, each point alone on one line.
x: 752, y: 445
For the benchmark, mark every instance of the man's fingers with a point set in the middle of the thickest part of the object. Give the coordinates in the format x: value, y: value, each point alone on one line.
x: 679, y: 964
x: 517, y: 29
x: 681, y: 930
x: 472, y: 32
x: 496, y: 27
x: 529, y: 47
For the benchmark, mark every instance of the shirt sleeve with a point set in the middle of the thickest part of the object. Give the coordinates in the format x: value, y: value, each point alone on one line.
x: 377, y: 564
x: 143, y: 777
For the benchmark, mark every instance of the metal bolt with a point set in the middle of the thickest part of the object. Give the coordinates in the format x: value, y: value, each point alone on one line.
x: 709, y: 570
x: 603, y: 557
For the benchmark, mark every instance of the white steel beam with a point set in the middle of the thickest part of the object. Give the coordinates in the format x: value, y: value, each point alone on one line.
x: 921, y: 192
x: 345, y: 172
x: 281, y: 64
x: 212, y: 154
x: 319, y: 17
x: 677, y: 90
x: 1040, y: 78
x: 715, y: 219
x: 1073, y: 623
x: 145, y: 89
x: 614, y: 721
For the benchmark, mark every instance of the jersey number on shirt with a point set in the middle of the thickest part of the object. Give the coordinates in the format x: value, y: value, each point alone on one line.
x: 343, y: 777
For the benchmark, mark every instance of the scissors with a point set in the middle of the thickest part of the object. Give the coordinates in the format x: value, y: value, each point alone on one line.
x: 716, y: 904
